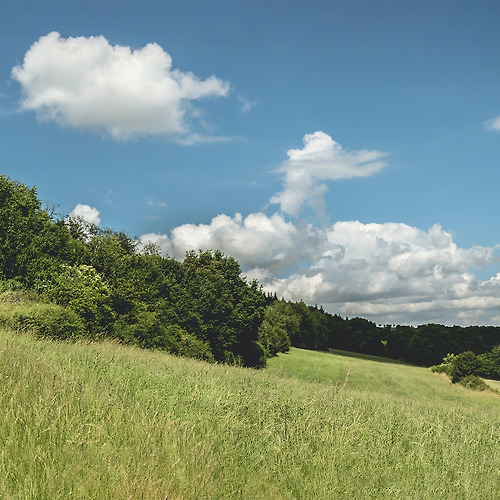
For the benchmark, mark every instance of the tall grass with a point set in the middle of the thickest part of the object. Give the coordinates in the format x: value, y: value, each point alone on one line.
x: 105, y: 421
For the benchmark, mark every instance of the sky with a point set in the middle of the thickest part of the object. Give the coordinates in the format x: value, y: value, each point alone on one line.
x: 345, y: 153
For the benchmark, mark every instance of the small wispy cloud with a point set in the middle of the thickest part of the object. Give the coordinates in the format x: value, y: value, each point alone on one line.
x: 246, y: 104
x: 151, y: 202
x: 493, y: 124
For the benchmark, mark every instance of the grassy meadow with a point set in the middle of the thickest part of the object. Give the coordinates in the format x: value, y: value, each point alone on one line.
x: 104, y: 421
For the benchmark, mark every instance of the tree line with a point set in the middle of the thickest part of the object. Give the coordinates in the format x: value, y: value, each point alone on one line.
x: 98, y: 282
x: 104, y: 285
x: 311, y: 327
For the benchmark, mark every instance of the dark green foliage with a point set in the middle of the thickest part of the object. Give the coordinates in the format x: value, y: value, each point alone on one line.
x: 474, y: 382
x: 463, y: 365
x: 280, y: 323
x: 253, y: 354
x: 467, y: 368
x: 99, y: 283
x: 188, y: 345
x: 364, y: 336
x: 228, y: 310
x: 313, y: 331
x: 21, y: 221
x: 490, y: 364
x: 32, y: 245
x: 428, y: 344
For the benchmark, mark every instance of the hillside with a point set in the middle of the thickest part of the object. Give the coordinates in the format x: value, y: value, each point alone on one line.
x: 102, y: 420
x: 84, y: 281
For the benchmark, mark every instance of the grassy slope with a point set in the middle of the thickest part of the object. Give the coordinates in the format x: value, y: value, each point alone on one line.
x: 495, y: 384
x: 105, y: 421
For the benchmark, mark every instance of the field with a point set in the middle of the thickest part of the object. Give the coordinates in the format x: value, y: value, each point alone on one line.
x: 495, y: 384
x: 104, y: 421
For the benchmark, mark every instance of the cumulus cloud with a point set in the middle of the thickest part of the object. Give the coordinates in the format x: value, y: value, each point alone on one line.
x: 396, y: 273
x: 390, y: 273
x: 257, y: 241
x: 321, y: 159
x: 86, y: 82
x: 87, y: 213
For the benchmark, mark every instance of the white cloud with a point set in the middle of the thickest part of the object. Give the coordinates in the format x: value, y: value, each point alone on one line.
x: 151, y: 202
x: 87, y: 213
x: 390, y: 273
x: 160, y: 240
x: 89, y: 83
x: 257, y: 241
x: 321, y: 159
x: 396, y: 273
x: 494, y: 124
x: 246, y: 104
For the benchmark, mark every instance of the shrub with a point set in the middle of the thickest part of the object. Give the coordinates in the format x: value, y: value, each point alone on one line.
x: 84, y: 290
x: 473, y: 382
x: 253, y: 355
x: 490, y: 364
x: 48, y: 320
x: 147, y: 330
x: 190, y: 346
x: 442, y: 368
x: 463, y: 365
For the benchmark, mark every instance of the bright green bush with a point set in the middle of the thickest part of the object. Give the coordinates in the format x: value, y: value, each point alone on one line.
x: 83, y: 290
x: 442, y: 368
x: 44, y: 320
x: 279, y: 324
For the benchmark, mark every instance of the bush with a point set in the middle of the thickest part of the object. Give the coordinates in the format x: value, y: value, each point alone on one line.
x: 490, y: 364
x: 473, y: 382
x: 147, y: 330
x: 84, y: 290
x: 48, y: 320
x: 189, y: 346
x: 463, y: 365
x: 442, y: 368
x: 253, y: 355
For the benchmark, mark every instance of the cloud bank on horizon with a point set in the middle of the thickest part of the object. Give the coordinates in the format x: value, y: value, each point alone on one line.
x: 391, y: 272
x: 88, y: 83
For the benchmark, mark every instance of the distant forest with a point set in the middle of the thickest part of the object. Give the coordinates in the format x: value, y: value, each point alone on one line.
x: 92, y: 283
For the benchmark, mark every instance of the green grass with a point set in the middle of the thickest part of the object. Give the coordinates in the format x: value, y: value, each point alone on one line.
x: 105, y: 421
x: 495, y: 384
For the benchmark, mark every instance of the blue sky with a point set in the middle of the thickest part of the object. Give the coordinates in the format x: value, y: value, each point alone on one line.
x: 346, y: 153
